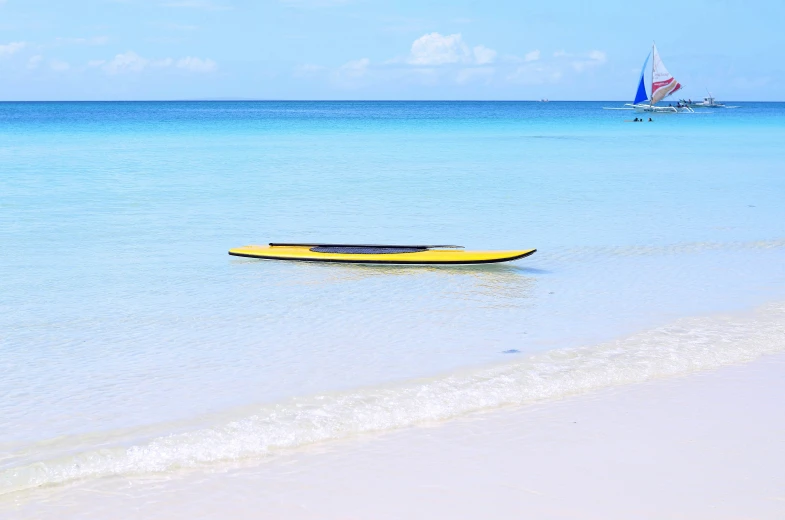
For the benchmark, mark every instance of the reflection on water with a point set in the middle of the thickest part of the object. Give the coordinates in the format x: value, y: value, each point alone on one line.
x: 491, y: 285
x: 391, y: 269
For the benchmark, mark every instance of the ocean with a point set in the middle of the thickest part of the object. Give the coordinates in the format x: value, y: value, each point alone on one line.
x: 132, y: 345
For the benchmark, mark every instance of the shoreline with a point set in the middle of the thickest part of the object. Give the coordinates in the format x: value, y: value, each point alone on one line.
x: 259, y: 433
x: 677, y: 398
x: 705, y: 445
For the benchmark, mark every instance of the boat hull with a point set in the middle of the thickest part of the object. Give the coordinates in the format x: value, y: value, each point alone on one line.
x: 426, y: 257
x: 653, y: 109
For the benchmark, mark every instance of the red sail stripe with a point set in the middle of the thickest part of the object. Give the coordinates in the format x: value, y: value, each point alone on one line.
x: 660, y: 84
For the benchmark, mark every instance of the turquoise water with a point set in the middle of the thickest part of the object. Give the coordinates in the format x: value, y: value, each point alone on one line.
x: 122, y: 318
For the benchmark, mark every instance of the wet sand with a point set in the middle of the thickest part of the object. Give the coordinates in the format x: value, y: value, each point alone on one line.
x: 709, y: 445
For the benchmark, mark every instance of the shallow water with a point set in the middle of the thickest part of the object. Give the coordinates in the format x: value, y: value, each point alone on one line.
x: 123, y: 320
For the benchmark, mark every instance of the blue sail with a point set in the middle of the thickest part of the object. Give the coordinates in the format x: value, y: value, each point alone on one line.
x: 641, y: 95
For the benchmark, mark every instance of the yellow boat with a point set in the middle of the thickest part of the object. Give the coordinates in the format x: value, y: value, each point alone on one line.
x: 378, y: 254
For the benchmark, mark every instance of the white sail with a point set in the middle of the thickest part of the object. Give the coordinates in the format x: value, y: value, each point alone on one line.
x: 662, y: 83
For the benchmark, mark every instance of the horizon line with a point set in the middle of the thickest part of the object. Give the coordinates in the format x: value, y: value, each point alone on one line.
x: 186, y: 100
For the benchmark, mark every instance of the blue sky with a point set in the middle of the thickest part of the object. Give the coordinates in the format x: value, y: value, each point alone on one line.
x: 384, y: 49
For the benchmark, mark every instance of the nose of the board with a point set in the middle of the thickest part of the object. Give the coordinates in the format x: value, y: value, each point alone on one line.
x: 243, y: 250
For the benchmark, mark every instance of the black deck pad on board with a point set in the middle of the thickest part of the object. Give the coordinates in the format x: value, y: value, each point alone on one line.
x: 360, y: 250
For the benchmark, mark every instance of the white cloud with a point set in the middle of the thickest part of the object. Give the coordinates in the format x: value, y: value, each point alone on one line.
x: 196, y: 64
x: 132, y: 62
x: 204, y: 5
x: 308, y: 70
x: 11, y: 48
x: 483, y: 55
x: 532, y: 56
x: 534, y: 70
x: 34, y: 61
x: 435, y: 49
x: 598, y: 56
x: 355, y: 68
x: 59, y: 66
x: 436, y: 59
x: 352, y: 74
x: 127, y: 62
x: 593, y: 59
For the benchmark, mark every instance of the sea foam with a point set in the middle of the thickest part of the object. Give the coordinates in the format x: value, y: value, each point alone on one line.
x: 685, y: 346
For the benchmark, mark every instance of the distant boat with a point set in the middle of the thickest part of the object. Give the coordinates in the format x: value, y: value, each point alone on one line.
x: 708, y: 102
x: 662, y: 86
x: 545, y: 100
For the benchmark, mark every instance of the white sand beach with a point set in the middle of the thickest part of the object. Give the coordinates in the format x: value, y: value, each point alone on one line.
x: 708, y: 445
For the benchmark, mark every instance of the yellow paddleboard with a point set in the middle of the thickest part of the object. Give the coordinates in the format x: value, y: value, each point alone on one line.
x: 378, y: 254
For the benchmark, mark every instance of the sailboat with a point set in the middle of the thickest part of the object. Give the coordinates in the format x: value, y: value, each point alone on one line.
x: 662, y: 86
